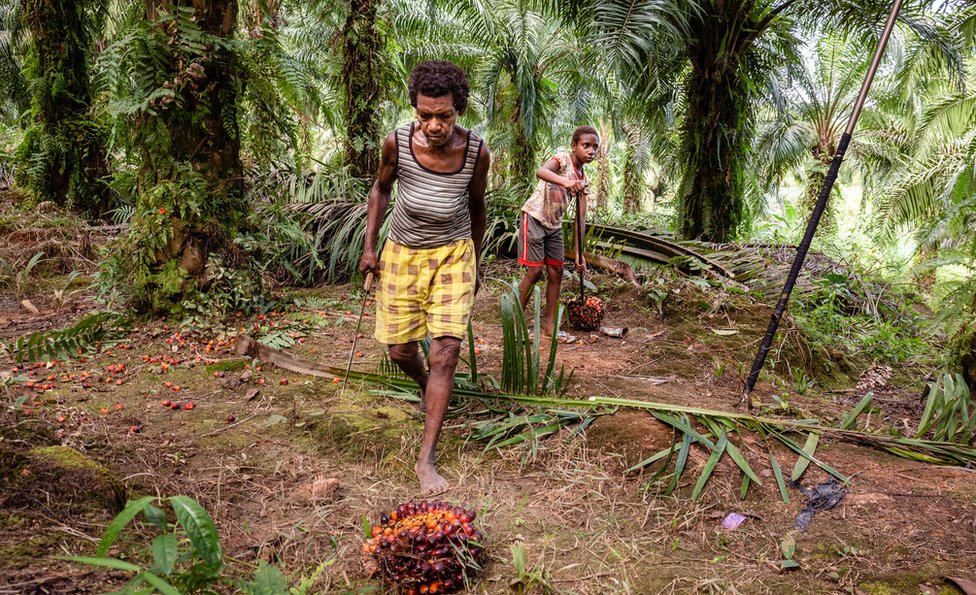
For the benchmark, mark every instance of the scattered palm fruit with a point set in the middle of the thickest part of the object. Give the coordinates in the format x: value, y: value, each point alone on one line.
x: 336, y: 380
x: 167, y: 403
x: 188, y: 406
x: 586, y: 314
x: 424, y: 547
x: 283, y: 381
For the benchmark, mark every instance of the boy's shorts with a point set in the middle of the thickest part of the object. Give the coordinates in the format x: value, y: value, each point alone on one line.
x: 424, y: 291
x: 539, y: 245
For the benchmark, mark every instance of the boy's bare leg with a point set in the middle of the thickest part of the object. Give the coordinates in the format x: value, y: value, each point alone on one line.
x: 407, y: 357
x: 531, y: 277
x: 553, y: 282
x: 443, y: 362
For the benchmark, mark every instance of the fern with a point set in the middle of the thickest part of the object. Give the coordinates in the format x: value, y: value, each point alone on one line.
x: 64, y: 343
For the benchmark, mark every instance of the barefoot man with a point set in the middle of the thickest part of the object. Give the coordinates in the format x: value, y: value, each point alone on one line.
x: 428, y: 273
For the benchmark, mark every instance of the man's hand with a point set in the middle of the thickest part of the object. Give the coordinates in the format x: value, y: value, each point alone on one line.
x: 369, y: 264
x: 581, y: 263
x: 575, y: 186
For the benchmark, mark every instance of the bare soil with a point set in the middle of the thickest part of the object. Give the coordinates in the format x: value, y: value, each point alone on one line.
x: 290, y: 480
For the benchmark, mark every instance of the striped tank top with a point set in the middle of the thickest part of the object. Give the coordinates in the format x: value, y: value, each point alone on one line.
x: 431, y: 208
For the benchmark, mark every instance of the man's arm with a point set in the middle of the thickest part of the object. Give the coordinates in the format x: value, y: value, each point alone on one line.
x: 379, y: 200
x: 476, y: 203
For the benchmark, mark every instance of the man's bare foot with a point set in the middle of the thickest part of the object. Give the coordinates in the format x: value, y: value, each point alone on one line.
x: 431, y: 483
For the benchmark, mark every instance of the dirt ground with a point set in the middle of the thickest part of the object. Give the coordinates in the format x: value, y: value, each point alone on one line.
x: 289, y: 470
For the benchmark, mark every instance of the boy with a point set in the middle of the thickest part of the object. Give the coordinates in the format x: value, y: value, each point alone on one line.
x: 540, y: 230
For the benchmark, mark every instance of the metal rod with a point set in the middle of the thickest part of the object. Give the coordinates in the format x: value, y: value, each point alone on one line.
x: 579, y: 241
x: 804, y: 245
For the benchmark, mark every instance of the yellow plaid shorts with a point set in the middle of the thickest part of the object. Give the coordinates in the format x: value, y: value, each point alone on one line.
x: 424, y: 291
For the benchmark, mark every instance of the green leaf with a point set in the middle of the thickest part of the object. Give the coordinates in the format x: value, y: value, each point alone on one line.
x: 155, y: 516
x: 741, y: 461
x: 132, y: 508
x: 160, y: 585
x: 200, y: 528
x: 164, y: 550
x: 367, y: 528
x: 857, y: 411
x: 745, y: 487
x: 788, y: 564
x: 679, y: 465
x: 710, y: 465
x: 653, y: 458
x: 803, y: 462
x: 793, y: 446
x: 113, y: 563
x: 787, y: 545
x: 267, y: 580
x: 778, y: 474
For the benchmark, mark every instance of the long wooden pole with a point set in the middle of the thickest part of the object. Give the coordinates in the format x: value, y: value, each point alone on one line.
x: 804, y: 246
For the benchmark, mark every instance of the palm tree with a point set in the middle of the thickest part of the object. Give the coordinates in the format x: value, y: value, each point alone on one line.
x: 812, y: 116
x: 363, y: 48
x: 62, y: 157
x: 933, y: 191
x: 177, y: 79
x: 728, y: 50
x: 15, y: 98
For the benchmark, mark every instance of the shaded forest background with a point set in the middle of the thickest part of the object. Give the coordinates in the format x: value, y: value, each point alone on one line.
x: 236, y: 140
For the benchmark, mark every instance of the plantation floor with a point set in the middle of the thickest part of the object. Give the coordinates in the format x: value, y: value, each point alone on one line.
x: 288, y: 469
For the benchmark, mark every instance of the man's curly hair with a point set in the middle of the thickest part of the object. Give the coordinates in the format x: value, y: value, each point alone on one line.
x: 437, y: 78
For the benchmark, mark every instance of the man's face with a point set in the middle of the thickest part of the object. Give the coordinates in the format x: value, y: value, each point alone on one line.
x: 586, y: 148
x: 436, y: 116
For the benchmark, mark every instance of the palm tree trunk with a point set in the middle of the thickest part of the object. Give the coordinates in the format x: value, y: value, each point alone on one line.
x: 599, y: 200
x: 67, y: 142
x: 715, y: 145
x: 816, y: 176
x: 523, y: 154
x: 633, y: 182
x: 192, y: 182
x: 361, y: 48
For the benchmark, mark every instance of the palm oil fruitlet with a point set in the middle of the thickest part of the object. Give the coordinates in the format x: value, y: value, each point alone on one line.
x: 585, y: 314
x: 424, y: 547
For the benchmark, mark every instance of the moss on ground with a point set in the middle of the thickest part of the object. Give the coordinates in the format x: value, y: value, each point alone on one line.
x: 73, y: 480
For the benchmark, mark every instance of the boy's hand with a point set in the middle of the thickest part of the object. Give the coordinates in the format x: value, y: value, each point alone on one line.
x: 369, y: 264
x: 574, y: 186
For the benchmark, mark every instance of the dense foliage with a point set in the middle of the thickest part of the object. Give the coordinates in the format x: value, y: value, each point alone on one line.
x: 237, y: 140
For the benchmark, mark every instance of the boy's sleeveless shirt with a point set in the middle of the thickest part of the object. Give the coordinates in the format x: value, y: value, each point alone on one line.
x: 431, y: 208
x: 547, y: 207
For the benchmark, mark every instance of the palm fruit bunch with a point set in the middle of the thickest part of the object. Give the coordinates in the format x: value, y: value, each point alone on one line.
x: 424, y: 547
x: 585, y: 314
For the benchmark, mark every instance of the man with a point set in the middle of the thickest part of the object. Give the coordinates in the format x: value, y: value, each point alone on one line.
x: 428, y: 274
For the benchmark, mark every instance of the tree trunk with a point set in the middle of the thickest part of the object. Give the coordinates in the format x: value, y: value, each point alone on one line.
x: 634, y: 185
x: 191, y: 196
x: 62, y: 156
x: 816, y: 176
x: 717, y: 124
x: 523, y: 154
x: 362, y: 45
x: 599, y: 201
x: 715, y: 144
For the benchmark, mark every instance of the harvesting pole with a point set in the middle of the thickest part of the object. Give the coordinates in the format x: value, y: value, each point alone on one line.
x: 818, y: 209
